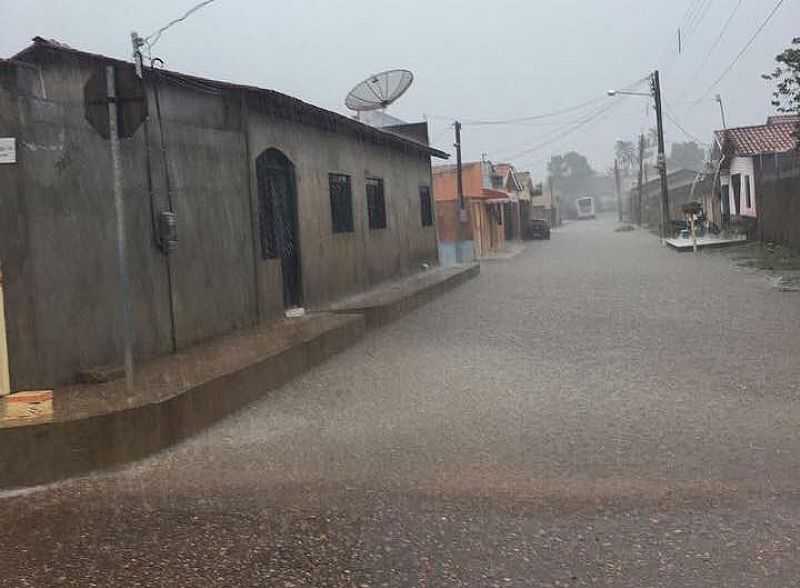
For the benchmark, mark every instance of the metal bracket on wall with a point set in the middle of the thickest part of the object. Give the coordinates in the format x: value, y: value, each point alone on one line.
x: 167, y: 231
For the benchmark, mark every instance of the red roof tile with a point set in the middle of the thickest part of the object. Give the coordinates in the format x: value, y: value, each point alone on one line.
x: 776, y: 137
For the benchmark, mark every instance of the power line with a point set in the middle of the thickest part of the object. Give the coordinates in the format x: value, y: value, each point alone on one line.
x: 523, y: 119
x: 153, y: 38
x: 560, y: 134
x: 699, y: 17
x: 674, y: 120
x: 742, y: 52
x: 716, y: 43
x: 511, y: 121
x: 690, y: 12
x: 518, y: 120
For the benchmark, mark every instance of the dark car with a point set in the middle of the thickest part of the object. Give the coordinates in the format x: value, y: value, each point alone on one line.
x: 538, y: 229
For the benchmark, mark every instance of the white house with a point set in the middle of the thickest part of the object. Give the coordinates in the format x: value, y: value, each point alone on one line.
x: 739, y: 147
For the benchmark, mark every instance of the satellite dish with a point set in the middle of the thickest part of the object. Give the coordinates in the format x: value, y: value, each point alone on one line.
x: 379, y: 91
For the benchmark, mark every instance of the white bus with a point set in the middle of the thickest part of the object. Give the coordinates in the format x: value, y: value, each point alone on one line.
x: 585, y: 207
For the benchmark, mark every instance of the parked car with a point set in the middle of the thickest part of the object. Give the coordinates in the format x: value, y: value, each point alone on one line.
x: 537, y: 229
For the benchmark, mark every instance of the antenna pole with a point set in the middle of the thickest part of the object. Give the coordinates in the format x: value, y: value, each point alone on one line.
x: 462, y: 213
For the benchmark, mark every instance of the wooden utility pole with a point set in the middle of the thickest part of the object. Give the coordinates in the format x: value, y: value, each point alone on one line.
x: 619, y: 191
x: 641, y: 174
x: 462, y: 213
x: 666, y: 224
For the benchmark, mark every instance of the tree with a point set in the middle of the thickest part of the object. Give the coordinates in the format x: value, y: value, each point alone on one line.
x: 571, y: 172
x: 577, y: 165
x: 556, y: 167
x: 786, y: 97
x: 625, y: 152
x: 687, y: 156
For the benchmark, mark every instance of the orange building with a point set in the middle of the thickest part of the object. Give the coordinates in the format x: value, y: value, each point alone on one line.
x: 484, y: 231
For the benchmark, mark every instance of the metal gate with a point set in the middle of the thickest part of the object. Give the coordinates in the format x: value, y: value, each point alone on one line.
x: 278, y: 224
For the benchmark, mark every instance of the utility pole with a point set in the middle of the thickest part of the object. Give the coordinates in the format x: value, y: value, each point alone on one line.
x: 462, y: 213
x: 666, y: 224
x: 718, y: 98
x: 119, y: 208
x: 641, y: 174
x: 619, y: 191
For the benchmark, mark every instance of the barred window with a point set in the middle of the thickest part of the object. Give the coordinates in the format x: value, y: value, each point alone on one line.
x: 426, y: 206
x: 341, y: 203
x: 376, y: 203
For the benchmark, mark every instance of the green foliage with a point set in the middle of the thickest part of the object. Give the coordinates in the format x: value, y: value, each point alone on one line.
x: 571, y: 172
x: 786, y: 97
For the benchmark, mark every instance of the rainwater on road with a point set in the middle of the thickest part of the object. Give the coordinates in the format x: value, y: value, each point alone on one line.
x: 598, y: 411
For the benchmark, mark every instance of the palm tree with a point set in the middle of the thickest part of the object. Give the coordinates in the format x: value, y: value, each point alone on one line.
x: 625, y: 152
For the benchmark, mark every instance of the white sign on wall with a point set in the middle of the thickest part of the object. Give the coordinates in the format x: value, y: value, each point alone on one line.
x: 8, y: 150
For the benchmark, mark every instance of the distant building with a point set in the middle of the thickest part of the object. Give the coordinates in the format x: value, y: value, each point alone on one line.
x: 486, y: 206
x: 684, y: 186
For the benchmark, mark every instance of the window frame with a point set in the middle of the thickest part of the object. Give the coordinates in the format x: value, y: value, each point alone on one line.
x: 340, y: 225
x: 426, y: 206
x: 376, y: 203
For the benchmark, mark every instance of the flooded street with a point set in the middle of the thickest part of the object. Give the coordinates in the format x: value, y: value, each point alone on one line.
x: 598, y: 410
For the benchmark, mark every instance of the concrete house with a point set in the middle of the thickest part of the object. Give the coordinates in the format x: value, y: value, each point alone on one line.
x: 737, y: 150
x: 486, y: 206
x: 277, y: 203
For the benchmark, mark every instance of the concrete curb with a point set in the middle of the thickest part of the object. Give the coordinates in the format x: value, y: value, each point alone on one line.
x: 516, y: 250
x: 47, y: 452
x: 380, y: 313
x: 41, y: 453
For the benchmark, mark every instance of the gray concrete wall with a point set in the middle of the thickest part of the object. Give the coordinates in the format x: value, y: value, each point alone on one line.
x: 335, y: 265
x: 57, y: 230
x: 63, y: 296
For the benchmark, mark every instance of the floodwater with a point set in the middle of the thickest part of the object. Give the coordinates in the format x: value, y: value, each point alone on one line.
x: 598, y: 410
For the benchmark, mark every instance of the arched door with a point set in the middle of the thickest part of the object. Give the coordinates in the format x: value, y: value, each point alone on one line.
x: 277, y: 215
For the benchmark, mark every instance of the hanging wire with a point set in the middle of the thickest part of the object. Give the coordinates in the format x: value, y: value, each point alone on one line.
x: 153, y: 38
x: 741, y: 53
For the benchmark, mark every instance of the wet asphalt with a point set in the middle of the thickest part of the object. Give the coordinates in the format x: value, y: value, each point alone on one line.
x: 598, y: 411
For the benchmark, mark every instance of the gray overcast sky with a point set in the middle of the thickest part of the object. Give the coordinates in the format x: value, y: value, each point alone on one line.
x: 476, y: 60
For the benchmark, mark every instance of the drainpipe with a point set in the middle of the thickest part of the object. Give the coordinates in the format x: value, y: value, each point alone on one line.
x: 5, y: 379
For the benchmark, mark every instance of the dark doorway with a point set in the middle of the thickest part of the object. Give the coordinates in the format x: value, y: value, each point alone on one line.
x: 725, y: 202
x: 508, y: 220
x: 277, y: 220
x: 736, y: 181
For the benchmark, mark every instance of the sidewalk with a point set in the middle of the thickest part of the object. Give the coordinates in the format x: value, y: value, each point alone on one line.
x: 93, y: 426
x: 390, y: 301
x: 511, y: 250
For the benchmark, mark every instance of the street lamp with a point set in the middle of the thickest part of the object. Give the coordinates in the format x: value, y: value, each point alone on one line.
x: 718, y: 98
x: 626, y: 93
x: 655, y: 93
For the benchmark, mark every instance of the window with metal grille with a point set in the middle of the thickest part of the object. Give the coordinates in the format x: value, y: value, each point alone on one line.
x: 341, y: 203
x: 376, y: 203
x: 426, y: 206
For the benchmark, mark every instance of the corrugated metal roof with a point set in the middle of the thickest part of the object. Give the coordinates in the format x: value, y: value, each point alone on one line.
x: 283, y: 102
